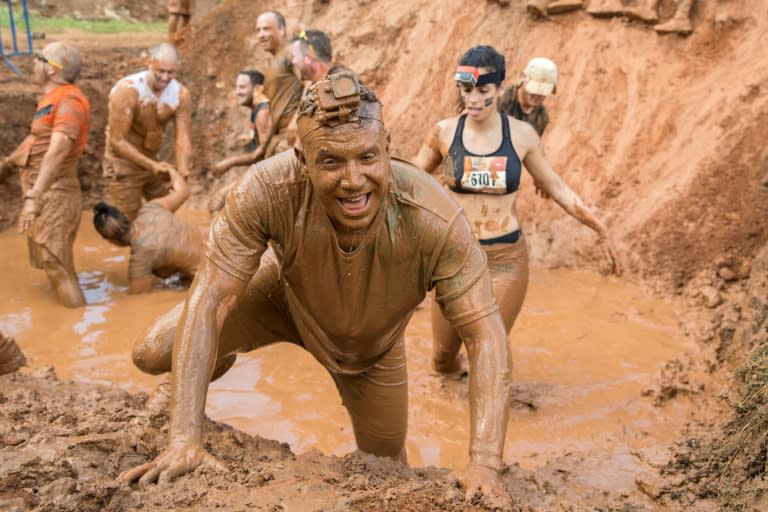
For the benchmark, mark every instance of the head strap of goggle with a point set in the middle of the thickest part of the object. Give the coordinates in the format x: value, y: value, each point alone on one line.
x: 470, y: 75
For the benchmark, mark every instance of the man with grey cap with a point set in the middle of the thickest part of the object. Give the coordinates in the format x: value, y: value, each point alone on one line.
x: 383, y: 233
x: 525, y: 100
x: 47, y: 159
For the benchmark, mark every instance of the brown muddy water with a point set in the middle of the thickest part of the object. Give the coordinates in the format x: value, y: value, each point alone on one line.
x: 585, y: 347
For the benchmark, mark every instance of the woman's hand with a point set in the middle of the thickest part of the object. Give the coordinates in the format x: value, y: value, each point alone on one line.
x: 611, y: 254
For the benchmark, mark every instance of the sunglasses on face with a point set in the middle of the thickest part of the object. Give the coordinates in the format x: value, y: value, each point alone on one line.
x: 42, y: 58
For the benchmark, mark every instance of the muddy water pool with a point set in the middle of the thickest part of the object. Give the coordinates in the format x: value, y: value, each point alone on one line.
x: 585, y: 347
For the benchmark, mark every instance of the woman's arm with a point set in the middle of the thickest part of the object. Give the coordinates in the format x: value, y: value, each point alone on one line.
x: 541, y: 170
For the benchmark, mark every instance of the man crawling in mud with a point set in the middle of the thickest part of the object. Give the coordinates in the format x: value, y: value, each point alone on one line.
x: 357, y: 239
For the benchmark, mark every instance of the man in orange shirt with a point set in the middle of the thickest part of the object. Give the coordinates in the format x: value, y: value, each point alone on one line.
x: 47, y: 159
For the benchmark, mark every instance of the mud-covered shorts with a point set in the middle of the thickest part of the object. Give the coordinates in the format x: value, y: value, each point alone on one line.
x: 52, y: 235
x: 126, y: 185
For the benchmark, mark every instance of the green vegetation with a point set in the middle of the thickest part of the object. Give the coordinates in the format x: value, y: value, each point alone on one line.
x: 45, y: 24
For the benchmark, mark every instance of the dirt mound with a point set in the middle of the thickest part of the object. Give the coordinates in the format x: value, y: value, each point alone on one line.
x: 64, y: 444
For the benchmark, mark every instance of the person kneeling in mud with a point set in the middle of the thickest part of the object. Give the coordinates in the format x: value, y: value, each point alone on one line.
x: 161, y: 243
x: 357, y: 239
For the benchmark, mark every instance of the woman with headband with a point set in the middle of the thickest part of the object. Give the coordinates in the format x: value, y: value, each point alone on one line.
x: 483, y: 152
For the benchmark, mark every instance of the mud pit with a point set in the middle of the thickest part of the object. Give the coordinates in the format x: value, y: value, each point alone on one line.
x: 644, y: 127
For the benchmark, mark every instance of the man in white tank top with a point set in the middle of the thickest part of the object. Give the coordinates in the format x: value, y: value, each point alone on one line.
x: 140, y: 107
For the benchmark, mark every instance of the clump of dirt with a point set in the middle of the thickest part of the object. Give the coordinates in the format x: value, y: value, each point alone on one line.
x: 730, y: 461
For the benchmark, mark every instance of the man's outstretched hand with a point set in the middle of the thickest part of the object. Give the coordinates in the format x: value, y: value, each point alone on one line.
x: 176, y: 460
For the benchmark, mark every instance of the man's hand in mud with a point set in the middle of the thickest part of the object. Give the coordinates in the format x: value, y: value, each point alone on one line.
x: 175, y: 461
x: 611, y: 254
x: 485, y: 482
x: 29, y: 212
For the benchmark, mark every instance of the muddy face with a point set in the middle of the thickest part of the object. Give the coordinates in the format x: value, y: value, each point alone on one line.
x: 300, y: 60
x: 161, y: 72
x: 480, y: 101
x: 348, y: 168
x: 244, y: 90
x: 267, y: 32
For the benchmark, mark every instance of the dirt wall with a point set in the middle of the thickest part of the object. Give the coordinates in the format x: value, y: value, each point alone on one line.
x: 660, y: 133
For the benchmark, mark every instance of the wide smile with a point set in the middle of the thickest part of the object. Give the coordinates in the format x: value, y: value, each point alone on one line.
x: 355, y: 205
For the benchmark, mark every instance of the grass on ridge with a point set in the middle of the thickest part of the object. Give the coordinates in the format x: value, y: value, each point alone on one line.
x: 55, y: 24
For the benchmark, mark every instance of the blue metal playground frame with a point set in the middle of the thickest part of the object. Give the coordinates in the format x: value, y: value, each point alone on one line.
x: 6, y: 55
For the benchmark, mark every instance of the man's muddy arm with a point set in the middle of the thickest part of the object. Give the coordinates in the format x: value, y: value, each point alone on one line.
x: 211, y: 299
x: 9, y: 161
x: 183, y: 146
x: 121, y: 105
x: 489, y: 388
x: 178, y: 194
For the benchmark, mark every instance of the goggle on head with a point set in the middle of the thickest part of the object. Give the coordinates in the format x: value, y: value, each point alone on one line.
x: 470, y: 76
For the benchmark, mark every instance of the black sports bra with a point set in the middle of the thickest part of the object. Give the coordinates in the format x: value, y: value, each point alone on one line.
x: 495, y: 173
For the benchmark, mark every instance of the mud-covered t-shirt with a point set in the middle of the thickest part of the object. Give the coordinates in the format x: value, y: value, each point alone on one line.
x: 351, y: 307
x: 65, y: 109
x: 163, y: 244
x: 509, y: 104
x: 283, y: 89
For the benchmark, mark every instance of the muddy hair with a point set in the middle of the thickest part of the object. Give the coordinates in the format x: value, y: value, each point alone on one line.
x: 256, y: 77
x: 318, y: 41
x: 112, y: 224
x: 482, y: 56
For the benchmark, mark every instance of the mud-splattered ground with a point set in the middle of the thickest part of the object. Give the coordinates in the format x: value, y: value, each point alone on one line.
x: 63, y: 444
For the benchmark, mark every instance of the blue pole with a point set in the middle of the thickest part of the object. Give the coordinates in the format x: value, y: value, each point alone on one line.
x: 25, y: 9
x: 12, y: 24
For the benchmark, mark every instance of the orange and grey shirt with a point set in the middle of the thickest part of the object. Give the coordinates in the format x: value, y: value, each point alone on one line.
x: 351, y: 307
x: 65, y: 109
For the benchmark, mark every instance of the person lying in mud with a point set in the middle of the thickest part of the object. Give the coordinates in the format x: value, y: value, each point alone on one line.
x: 483, y: 153
x: 162, y: 244
x: 356, y: 240
x: 47, y: 161
x: 140, y: 107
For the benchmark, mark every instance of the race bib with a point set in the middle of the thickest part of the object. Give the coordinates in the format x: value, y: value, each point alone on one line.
x: 487, y: 175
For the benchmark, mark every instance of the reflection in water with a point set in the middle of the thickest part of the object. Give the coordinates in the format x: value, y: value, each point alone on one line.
x: 584, y: 349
